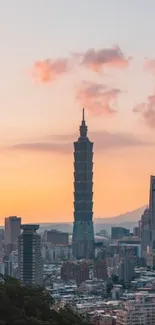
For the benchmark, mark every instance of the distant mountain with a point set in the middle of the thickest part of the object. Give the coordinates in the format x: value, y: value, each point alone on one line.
x: 128, y: 220
x: 128, y: 217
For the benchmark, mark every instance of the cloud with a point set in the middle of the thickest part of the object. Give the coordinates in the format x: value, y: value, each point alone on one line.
x: 63, y: 143
x: 150, y: 65
x: 97, y: 60
x: 97, y: 98
x: 43, y: 146
x: 147, y: 111
x: 105, y: 140
x: 48, y: 70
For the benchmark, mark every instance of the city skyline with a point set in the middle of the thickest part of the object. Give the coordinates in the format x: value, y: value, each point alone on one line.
x: 104, y: 69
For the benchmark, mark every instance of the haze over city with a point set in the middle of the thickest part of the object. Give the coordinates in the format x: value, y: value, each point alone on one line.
x: 56, y: 58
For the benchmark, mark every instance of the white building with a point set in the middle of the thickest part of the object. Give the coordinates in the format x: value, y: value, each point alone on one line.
x: 56, y: 253
x: 138, y: 311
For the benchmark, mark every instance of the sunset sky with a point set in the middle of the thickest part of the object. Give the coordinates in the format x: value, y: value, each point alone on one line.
x: 56, y: 57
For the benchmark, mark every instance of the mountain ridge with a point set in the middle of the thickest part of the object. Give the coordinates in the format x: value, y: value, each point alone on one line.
x: 128, y: 220
x: 129, y: 216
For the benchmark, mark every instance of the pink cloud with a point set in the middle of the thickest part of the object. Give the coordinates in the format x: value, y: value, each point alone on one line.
x: 147, y: 111
x: 150, y: 65
x: 97, y: 98
x: 48, y: 70
x: 97, y: 60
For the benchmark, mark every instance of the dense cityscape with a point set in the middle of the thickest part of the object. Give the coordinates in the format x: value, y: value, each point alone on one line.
x: 110, y: 277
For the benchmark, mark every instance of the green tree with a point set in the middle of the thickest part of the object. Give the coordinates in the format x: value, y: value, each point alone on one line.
x: 21, y: 305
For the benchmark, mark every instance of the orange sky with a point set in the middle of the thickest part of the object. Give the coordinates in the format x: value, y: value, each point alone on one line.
x: 39, y: 186
x: 52, y: 64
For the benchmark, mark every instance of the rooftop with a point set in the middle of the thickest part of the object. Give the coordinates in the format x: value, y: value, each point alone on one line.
x: 29, y: 227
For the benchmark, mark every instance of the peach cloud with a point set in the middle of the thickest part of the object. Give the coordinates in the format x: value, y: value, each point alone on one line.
x: 150, y: 65
x: 97, y: 60
x: 147, y: 111
x: 48, y: 70
x: 63, y: 143
x: 97, y: 98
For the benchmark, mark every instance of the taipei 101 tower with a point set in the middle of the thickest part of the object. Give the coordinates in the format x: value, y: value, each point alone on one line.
x: 83, y: 231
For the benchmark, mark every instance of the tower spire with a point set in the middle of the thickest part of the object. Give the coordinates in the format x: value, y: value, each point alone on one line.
x: 83, y: 115
x: 83, y: 126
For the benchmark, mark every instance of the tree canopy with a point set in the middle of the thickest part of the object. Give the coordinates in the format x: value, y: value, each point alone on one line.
x: 21, y: 305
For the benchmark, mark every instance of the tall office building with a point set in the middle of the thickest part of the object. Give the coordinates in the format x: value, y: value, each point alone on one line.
x: 78, y: 271
x: 152, y: 210
x: 12, y: 230
x: 145, y: 232
x: 55, y: 237
x: 100, y: 270
x: 83, y: 231
x: 8, y: 267
x: 119, y: 232
x: 30, y: 263
x: 126, y: 268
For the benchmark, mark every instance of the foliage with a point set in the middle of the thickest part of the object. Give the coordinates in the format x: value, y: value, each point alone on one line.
x: 21, y: 305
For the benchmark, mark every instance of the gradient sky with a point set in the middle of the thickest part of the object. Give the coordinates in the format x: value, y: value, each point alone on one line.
x: 39, y: 121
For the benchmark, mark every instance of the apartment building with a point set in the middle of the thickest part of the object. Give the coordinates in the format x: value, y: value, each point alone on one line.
x: 138, y: 311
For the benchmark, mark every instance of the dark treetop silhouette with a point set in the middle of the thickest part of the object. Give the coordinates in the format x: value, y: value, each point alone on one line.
x: 21, y: 305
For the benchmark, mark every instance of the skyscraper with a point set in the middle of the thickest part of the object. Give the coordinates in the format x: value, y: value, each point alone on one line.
x: 119, y: 232
x: 126, y: 267
x: 8, y: 269
x: 83, y: 231
x: 12, y: 230
x: 55, y: 237
x: 145, y: 232
x: 30, y: 265
x: 152, y: 210
x: 78, y: 271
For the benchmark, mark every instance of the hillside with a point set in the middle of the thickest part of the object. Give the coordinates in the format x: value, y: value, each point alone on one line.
x: 130, y: 216
x: 127, y: 220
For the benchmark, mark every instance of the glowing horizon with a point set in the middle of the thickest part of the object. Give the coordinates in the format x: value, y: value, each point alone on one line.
x: 49, y: 71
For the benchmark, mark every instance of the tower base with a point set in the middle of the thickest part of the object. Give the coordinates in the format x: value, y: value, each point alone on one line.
x: 83, y: 240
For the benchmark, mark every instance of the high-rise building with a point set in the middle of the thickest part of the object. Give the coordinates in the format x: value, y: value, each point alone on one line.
x: 136, y: 231
x: 56, y: 238
x: 152, y: 209
x: 100, y: 270
x: 126, y: 266
x: 1, y: 236
x: 8, y: 267
x: 78, y: 271
x: 119, y: 232
x: 30, y: 263
x: 12, y: 230
x: 83, y: 231
x: 145, y: 232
